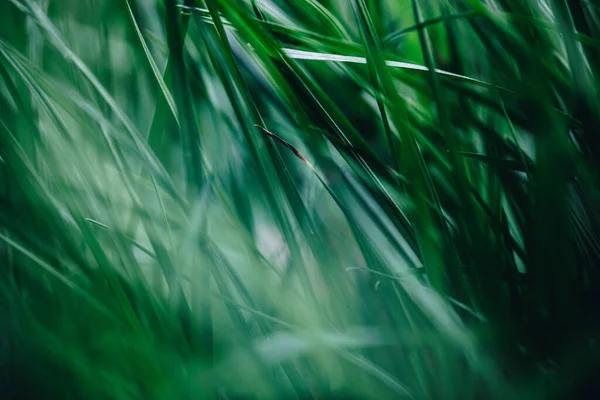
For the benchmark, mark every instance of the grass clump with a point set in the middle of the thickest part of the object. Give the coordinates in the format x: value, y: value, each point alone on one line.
x: 307, y: 199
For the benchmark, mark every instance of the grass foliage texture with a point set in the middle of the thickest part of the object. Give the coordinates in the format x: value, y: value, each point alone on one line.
x: 299, y: 199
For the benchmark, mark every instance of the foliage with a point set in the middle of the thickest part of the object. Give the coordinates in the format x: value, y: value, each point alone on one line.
x: 299, y: 199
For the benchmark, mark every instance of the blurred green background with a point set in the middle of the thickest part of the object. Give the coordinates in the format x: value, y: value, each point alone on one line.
x: 304, y: 199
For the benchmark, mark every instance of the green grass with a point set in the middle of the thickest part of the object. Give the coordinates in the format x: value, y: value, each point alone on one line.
x: 299, y: 199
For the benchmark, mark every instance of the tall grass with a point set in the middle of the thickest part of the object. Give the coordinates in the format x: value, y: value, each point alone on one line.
x: 299, y: 199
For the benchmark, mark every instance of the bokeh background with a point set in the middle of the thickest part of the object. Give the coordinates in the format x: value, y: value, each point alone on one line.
x: 299, y: 199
